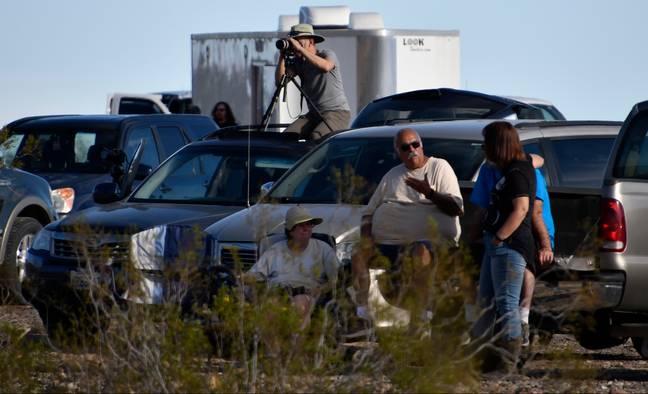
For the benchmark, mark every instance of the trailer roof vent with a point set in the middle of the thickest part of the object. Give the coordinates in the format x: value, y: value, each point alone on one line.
x: 366, y: 21
x: 329, y: 17
x: 287, y: 21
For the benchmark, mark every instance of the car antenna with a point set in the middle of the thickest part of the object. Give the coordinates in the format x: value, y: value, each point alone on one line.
x: 247, y: 195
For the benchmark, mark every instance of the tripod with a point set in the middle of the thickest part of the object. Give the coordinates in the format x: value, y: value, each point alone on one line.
x: 283, y: 84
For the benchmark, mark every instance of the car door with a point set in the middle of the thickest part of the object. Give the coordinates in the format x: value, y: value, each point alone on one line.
x: 150, y: 154
x: 171, y: 138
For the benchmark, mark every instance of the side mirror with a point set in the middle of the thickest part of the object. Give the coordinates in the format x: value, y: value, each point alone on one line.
x: 265, y: 188
x: 105, y: 193
x: 142, y: 171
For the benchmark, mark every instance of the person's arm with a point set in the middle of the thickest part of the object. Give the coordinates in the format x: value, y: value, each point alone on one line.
x: 513, y: 221
x: 331, y: 264
x: 536, y: 160
x: 446, y: 202
x: 545, y: 254
x: 281, y: 68
x: 324, y: 64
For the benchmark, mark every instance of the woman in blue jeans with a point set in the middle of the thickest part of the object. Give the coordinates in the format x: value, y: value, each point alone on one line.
x: 508, y: 239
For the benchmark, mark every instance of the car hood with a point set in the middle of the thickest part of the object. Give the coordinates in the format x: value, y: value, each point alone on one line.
x: 134, y: 217
x: 252, y: 224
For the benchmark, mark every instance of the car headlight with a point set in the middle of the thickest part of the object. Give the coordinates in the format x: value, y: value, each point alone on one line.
x: 344, y: 250
x: 63, y: 199
x: 43, y: 240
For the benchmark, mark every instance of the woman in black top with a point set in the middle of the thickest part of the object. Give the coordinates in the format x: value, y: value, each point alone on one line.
x: 508, y: 228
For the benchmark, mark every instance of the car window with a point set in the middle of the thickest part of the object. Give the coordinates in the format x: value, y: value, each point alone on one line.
x: 171, y: 138
x: 63, y: 150
x: 347, y: 170
x: 425, y: 105
x: 204, y: 175
x: 582, y: 161
x: 632, y: 159
x: 128, y: 106
x: 9, y: 147
x: 150, y: 155
x: 534, y: 147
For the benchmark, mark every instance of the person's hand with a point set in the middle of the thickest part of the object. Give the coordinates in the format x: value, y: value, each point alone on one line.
x: 421, y: 186
x: 545, y: 256
x: 496, y: 242
x: 296, y: 45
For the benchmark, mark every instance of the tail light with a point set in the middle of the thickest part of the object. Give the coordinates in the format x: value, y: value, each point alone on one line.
x: 612, y: 226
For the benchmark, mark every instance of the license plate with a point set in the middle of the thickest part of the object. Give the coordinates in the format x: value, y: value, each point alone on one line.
x: 82, y: 280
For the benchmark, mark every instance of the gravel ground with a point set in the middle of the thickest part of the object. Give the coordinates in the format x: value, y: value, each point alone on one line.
x: 560, y: 366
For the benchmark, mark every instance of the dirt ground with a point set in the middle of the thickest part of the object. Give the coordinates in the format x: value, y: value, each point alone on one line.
x: 560, y: 366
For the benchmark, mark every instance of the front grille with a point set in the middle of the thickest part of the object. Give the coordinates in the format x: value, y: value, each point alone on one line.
x: 232, y: 255
x: 76, y: 250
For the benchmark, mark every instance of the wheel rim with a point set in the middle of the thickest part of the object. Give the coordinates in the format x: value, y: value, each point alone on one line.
x: 21, y: 255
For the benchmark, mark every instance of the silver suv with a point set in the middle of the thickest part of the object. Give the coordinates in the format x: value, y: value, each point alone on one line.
x: 622, y: 229
x: 336, y: 180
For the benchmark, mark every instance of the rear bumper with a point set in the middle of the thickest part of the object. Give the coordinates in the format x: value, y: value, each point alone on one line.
x: 579, y: 291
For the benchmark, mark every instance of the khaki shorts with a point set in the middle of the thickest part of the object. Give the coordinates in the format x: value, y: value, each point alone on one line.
x: 311, y: 126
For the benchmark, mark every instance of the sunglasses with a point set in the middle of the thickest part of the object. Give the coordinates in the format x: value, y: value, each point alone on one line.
x: 406, y: 147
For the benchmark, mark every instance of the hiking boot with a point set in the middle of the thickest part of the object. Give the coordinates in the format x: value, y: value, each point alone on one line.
x: 525, y: 335
x: 511, y: 354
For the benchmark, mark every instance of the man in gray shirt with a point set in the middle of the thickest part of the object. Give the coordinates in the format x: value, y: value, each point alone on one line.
x: 321, y: 81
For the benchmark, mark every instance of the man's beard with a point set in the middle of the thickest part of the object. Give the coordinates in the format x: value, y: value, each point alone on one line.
x: 412, y: 155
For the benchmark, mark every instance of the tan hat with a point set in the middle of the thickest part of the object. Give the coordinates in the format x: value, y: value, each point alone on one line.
x: 298, y: 214
x: 305, y: 30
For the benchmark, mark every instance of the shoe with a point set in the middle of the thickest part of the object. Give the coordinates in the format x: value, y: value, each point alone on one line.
x: 525, y: 334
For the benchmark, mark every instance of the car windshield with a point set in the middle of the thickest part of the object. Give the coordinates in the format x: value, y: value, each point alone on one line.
x: 205, y: 175
x: 426, y: 105
x: 67, y: 151
x: 347, y: 170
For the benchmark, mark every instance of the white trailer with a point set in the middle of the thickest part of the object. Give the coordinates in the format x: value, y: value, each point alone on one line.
x: 239, y: 67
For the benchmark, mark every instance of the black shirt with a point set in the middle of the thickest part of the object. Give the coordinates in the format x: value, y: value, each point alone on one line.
x: 518, y: 180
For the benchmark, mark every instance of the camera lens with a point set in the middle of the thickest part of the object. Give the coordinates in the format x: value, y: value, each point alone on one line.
x: 282, y: 44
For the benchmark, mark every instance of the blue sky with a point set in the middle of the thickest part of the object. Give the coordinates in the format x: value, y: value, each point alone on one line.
x: 65, y: 56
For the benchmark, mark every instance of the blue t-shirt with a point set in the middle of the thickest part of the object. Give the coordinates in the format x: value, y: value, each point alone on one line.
x: 488, y: 177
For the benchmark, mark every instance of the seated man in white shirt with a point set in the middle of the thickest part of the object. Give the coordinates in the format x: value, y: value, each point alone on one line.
x: 303, y: 266
x: 395, y: 223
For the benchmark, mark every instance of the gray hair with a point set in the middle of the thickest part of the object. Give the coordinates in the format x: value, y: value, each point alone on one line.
x: 403, y: 131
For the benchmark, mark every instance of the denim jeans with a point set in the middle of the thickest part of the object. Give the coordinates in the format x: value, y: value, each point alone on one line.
x: 500, y: 280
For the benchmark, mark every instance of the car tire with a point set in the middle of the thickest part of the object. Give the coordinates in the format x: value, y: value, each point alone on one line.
x: 593, y: 331
x: 20, y: 237
x: 641, y: 346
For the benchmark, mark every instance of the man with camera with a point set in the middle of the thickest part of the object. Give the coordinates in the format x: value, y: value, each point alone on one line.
x: 321, y: 82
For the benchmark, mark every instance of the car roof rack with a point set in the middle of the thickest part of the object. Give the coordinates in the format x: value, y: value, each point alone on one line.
x: 242, y: 131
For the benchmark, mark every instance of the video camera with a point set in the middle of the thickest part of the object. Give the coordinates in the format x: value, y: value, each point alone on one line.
x: 283, y: 44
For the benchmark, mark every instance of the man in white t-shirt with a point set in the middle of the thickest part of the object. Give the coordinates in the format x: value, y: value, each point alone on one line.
x: 304, y: 267
x: 397, y: 219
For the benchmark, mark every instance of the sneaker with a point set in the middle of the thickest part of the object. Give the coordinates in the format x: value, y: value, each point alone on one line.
x: 525, y: 334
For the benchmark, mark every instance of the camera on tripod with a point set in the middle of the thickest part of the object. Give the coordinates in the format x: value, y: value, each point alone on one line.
x: 283, y: 44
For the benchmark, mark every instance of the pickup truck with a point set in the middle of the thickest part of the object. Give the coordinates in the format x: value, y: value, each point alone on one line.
x: 623, y: 257
x: 175, y: 102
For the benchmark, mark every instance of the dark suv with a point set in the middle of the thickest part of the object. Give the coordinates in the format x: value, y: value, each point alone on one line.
x: 76, y: 152
x: 197, y: 186
x: 25, y: 207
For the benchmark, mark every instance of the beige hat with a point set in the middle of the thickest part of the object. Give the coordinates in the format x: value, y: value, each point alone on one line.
x: 305, y: 30
x: 298, y: 214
